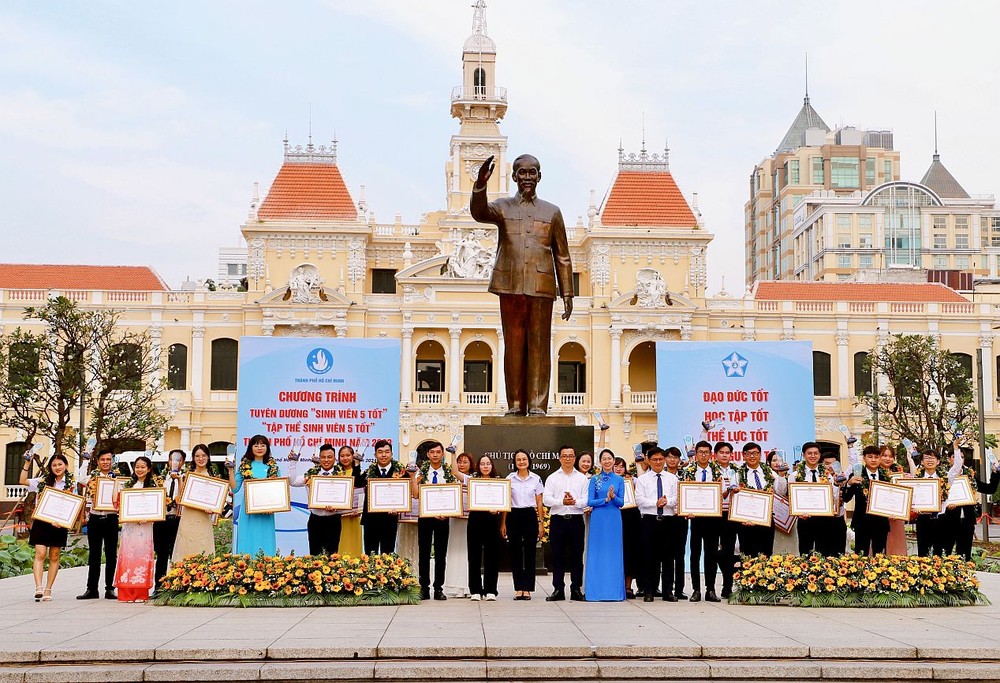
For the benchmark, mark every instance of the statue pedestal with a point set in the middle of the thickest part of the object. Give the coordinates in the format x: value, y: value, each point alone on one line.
x: 541, y: 436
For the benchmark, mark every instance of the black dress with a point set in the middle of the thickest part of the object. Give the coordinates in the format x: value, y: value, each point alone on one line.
x: 43, y: 533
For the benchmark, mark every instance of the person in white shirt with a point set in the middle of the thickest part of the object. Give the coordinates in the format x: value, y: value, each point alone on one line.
x: 932, y: 528
x: 102, y: 532
x: 47, y: 539
x: 704, y: 530
x: 728, y: 529
x: 432, y: 531
x: 565, y: 495
x: 815, y: 533
x: 754, y: 539
x: 523, y: 525
x: 656, y: 496
x: 323, y: 527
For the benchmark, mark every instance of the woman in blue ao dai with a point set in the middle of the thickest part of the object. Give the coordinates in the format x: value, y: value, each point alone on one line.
x: 604, y: 580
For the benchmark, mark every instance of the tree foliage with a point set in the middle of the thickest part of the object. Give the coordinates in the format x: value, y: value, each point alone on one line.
x: 924, y: 393
x: 80, y: 353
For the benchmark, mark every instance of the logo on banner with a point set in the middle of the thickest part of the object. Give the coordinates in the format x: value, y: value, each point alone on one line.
x: 319, y: 361
x: 735, y: 365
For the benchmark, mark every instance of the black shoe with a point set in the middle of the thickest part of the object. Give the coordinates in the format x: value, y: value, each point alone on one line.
x: 725, y: 593
x: 557, y: 596
x: 439, y: 595
x: 680, y: 595
x: 425, y: 593
x: 696, y: 596
x: 88, y: 595
x: 648, y: 597
x: 670, y: 598
x: 710, y: 596
x: 577, y: 595
x: 657, y: 594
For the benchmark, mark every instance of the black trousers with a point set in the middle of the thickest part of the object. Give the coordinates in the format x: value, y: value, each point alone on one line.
x: 931, y: 535
x: 164, y: 536
x: 822, y: 535
x: 870, y: 532
x: 704, y: 532
x: 102, y: 532
x: 658, y: 552
x: 433, y: 532
x: 483, y: 540
x: 522, y: 538
x: 380, y: 532
x: 324, y: 533
x: 961, y: 529
x: 566, y: 541
x: 756, y: 540
x: 727, y: 551
x: 678, y: 541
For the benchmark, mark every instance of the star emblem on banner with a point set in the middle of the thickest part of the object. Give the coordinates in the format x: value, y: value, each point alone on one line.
x: 735, y: 365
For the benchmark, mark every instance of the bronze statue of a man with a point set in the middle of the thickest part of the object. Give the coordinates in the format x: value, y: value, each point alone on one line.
x: 532, y: 255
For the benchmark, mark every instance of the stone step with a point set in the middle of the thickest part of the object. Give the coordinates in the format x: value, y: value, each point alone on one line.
x: 536, y: 670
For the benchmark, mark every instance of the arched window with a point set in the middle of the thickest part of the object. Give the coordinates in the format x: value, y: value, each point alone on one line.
x: 862, y: 375
x: 225, y: 362
x: 14, y: 462
x: 125, y: 366
x: 177, y: 362
x: 479, y: 81
x: 821, y: 373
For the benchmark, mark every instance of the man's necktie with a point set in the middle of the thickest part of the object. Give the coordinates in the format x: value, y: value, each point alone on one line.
x: 659, y: 493
x: 704, y: 474
x: 434, y: 479
x: 756, y: 478
x: 814, y: 475
x: 383, y: 471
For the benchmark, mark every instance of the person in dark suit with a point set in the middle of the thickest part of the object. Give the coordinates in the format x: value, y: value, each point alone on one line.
x: 380, y: 527
x: 870, y: 531
x: 532, y: 256
x: 961, y: 520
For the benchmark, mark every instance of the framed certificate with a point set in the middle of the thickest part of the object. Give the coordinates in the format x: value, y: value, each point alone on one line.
x: 889, y: 500
x: 105, y: 489
x: 781, y: 514
x: 58, y: 508
x: 264, y: 496
x: 629, y: 495
x: 411, y: 515
x: 752, y: 507
x: 699, y: 498
x: 440, y: 500
x: 389, y: 495
x: 807, y: 498
x: 490, y: 495
x: 142, y: 505
x: 961, y: 493
x: 207, y: 494
x: 926, y: 493
x: 331, y: 492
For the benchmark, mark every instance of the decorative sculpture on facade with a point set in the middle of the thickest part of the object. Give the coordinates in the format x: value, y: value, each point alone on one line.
x: 305, y: 285
x: 651, y: 289
x: 471, y: 260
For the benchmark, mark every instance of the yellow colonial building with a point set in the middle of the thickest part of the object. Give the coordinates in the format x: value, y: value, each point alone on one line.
x: 319, y: 265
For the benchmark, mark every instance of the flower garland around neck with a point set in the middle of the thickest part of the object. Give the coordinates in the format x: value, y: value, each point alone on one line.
x: 800, y: 472
x: 942, y: 475
x: 246, y: 469
x: 336, y: 471
x: 690, y: 473
x: 192, y: 469
x: 866, y: 482
x: 155, y: 481
x: 67, y: 476
x: 425, y: 469
x: 744, y: 472
x: 375, y: 470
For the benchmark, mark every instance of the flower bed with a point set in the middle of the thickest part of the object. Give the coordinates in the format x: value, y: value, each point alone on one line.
x: 310, y: 581
x: 857, y: 581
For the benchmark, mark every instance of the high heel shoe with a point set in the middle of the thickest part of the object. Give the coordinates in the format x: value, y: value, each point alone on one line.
x: 38, y: 593
x: 47, y: 596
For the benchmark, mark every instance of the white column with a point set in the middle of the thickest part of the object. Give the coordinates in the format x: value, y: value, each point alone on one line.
x: 197, y: 361
x: 843, y: 365
x: 986, y: 344
x: 406, y: 366
x: 553, y: 374
x: 616, y: 368
x: 455, y: 369
x: 501, y: 384
x: 186, y: 439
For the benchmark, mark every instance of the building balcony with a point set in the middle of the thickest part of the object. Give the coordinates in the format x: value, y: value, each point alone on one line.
x: 478, y: 93
x: 430, y: 398
x: 14, y: 492
x: 638, y: 400
x: 571, y: 400
x: 477, y: 398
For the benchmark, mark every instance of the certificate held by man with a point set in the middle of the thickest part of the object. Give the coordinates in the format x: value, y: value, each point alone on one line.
x: 440, y: 500
x: 926, y: 493
x: 699, y: 499
x: 751, y: 507
x: 389, y: 495
x: 889, y: 500
x: 810, y: 499
x: 331, y: 493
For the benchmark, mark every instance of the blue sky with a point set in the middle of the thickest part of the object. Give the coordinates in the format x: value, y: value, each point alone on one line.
x: 133, y: 132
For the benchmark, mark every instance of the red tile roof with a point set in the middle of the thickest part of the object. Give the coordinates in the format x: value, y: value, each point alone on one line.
x: 647, y: 198
x: 40, y: 276
x: 304, y: 191
x: 782, y: 290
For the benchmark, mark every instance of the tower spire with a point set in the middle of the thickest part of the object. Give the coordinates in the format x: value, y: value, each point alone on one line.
x: 936, y: 155
x: 806, y: 100
x: 479, y: 18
